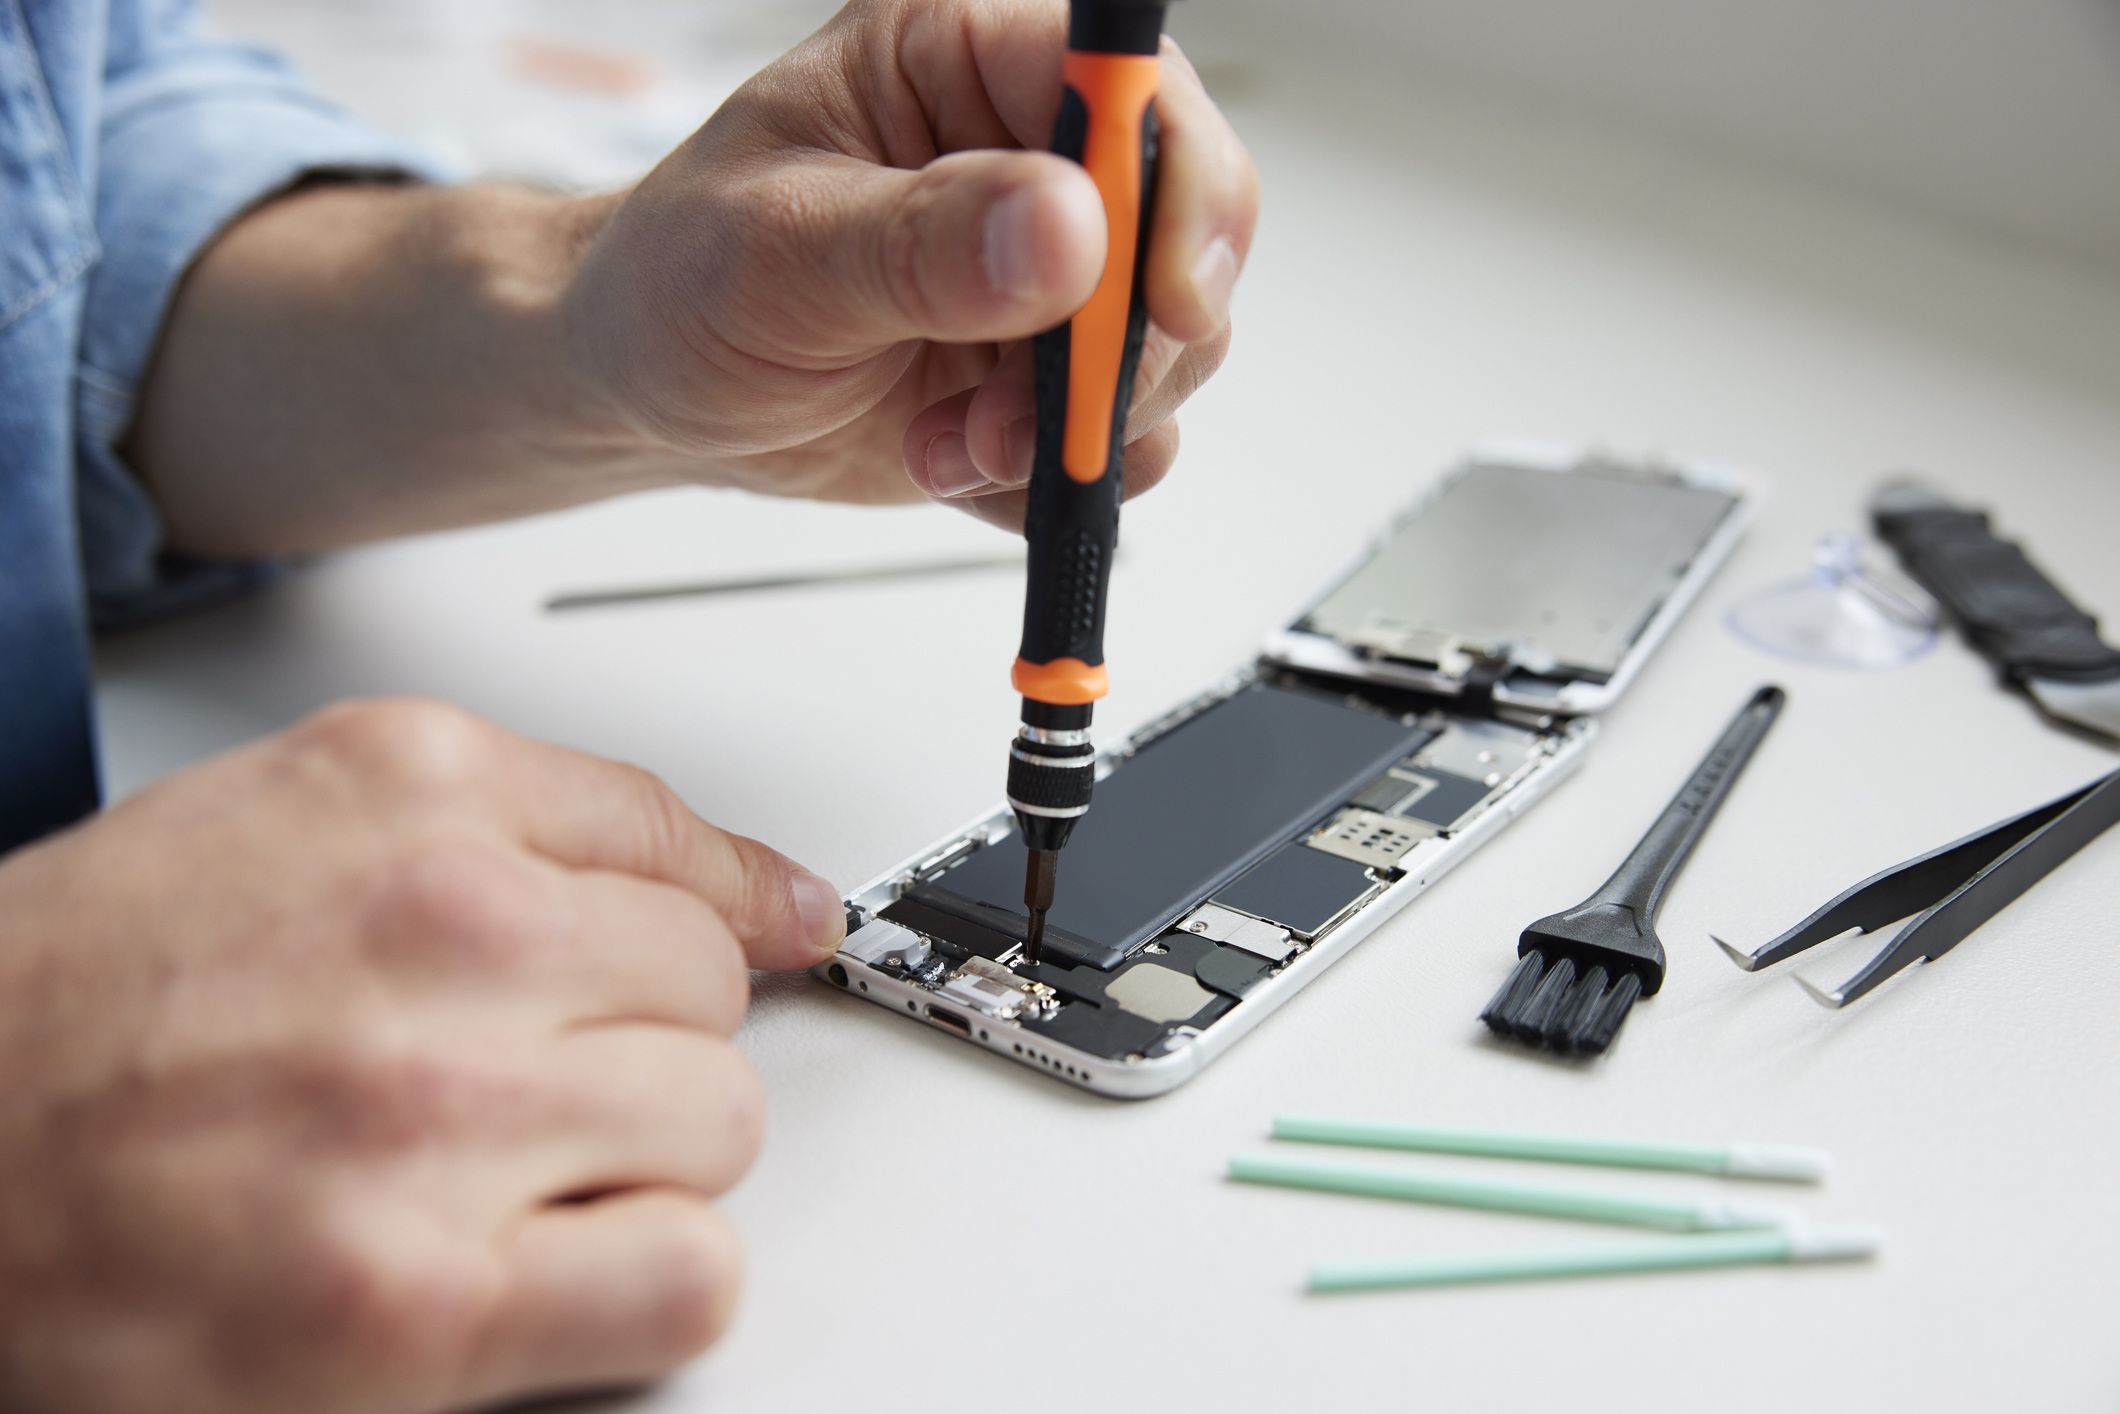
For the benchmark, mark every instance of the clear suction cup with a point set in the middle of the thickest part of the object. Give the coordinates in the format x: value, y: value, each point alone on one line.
x: 1842, y: 615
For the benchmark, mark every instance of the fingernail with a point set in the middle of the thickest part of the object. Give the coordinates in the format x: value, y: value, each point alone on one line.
x: 824, y: 919
x: 1214, y: 276
x: 950, y: 469
x: 1011, y: 244
x: 1019, y: 446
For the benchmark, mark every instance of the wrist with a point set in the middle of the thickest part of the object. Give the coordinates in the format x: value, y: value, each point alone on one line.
x: 348, y: 363
x: 523, y: 253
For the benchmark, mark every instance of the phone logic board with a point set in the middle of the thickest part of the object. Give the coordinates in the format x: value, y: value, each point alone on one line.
x: 1231, y: 844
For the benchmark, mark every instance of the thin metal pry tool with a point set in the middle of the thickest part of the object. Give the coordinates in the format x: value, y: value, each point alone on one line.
x: 1582, y: 970
x: 1955, y: 889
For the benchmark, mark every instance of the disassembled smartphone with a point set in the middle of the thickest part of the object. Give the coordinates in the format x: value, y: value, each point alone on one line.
x: 1239, y: 845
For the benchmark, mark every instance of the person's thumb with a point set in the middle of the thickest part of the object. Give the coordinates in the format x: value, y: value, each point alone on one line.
x: 849, y: 258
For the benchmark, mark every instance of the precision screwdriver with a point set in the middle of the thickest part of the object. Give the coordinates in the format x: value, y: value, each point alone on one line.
x: 1084, y: 375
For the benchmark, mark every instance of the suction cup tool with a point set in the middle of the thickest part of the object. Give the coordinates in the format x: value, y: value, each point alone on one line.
x: 1841, y: 615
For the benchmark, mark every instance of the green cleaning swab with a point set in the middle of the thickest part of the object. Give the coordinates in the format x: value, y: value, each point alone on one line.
x: 1714, y: 1249
x: 1779, y: 1161
x: 1368, y: 1180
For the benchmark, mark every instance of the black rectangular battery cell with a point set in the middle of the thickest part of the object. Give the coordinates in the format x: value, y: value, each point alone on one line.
x: 1193, y: 809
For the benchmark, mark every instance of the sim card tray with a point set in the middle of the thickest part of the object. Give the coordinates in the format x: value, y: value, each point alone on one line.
x: 1956, y: 889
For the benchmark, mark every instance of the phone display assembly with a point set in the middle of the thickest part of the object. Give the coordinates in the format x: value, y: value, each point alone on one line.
x: 1245, y: 841
x: 1538, y: 576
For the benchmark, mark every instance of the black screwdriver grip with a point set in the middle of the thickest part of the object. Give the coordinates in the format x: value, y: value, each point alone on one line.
x: 1071, y: 522
x: 1072, y: 531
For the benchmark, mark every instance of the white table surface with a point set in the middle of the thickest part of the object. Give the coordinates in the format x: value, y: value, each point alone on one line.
x: 932, y: 1227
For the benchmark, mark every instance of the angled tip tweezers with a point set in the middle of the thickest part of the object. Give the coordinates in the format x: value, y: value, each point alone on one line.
x: 1955, y: 889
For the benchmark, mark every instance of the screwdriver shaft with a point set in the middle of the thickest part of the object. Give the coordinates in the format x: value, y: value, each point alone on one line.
x: 1040, y: 874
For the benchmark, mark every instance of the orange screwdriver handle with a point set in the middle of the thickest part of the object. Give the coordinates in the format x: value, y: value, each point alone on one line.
x: 1085, y: 368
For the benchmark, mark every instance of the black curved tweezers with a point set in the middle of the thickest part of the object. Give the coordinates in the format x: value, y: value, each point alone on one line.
x: 1955, y: 889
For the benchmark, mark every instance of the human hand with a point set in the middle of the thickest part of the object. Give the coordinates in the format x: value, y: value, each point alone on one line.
x: 381, y: 1067
x: 828, y: 290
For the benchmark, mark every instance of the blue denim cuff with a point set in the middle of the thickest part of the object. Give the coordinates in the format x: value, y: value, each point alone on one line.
x: 186, y: 148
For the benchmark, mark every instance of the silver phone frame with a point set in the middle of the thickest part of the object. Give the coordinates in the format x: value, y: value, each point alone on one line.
x: 1565, y: 722
x: 1423, y: 865
x: 1310, y: 652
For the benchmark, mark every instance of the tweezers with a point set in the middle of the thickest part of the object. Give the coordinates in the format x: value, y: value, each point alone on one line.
x: 1955, y: 889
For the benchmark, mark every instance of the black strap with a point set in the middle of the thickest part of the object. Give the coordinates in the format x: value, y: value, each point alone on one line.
x: 2009, y: 611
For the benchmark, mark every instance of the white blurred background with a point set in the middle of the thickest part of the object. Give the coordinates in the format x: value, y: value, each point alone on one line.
x: 575, y: 95
x: 2001, y: 117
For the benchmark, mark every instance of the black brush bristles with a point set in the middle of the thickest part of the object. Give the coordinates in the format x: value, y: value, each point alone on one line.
x: 1509, y: 1002
x: 1581, y: 1005
x: 1599, y: 1029
x: 1610, y: 937
x: 1550, y: 1008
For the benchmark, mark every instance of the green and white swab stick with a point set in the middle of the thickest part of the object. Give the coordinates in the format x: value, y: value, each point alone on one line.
x: 1372, y: 1181
x: 1837, y: 1242
x: 1779, y: 1161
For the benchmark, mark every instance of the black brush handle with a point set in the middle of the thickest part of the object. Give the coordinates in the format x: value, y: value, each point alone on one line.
x: 1640, y: 881
x: 2009, y: 611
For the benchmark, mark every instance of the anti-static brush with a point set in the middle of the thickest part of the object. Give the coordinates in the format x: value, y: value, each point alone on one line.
x: 1582, y: 970
x: 1084, y: 372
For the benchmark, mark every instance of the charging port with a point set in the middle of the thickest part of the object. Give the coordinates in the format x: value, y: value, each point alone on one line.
x: 949, y: 1019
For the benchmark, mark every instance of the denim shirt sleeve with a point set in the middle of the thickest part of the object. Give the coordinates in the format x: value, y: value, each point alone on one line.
x: 195, y: 131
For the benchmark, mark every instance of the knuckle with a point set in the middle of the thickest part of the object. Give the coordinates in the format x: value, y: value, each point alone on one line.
x: 762, y: 227
x: 1207, y: 355
x: 401, y: 1101
x: 1198, y: 364
x: 901, y: 253
x: 728, y: 976
x: 781, y: 227
x: 754, y: 899
x: 705, y: 1274
x: 1148, y: 459
x: 446, y: 902
x: 669, y: 829
x: 704, y: 981
x: 401, y: 744
x: 383, y: 1102
x: 1183, y: 373
x: 1161, y: 353
x: 743, y: 1120
x: 395, y: 1299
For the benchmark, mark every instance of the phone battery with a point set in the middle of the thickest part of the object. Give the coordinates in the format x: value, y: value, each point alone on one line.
x: 1193, y: 809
